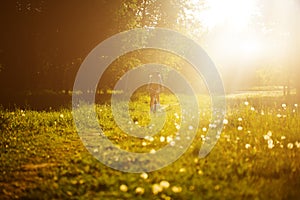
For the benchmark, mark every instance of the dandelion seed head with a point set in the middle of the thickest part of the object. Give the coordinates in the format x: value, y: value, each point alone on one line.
x: 144, y: 175
x: 123, y: 188
x: 164, y: 184
x: 176, y: 189
x: 240, y: 128
x: 240, y: 119
x: 266, y: 137
x: 139, y: 190
x: 283, y: 105
x: 172, y: 143
x: 217, y: 187
x: 144, y: 143
x: 247, y: 146
x: 95, y: 150
x: 162, y: 138
x: 225, y: 121
x: 212, y: 125
x: 200, y: 172
x: 296, y: 105
x: 152, y: 151
x: 269, y: 133
x: 156, y: 188
x: 169, y: 139
x: 246, y: 103
x: 181, y: 170
x: 204, y: 129
x: 290, y: 145
x: 270, y: 144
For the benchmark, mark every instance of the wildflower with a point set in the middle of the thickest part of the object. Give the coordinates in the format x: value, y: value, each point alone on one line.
x: 152, y: 151
x: 150, y: 138
x: 139, y: 190
x: 176, y: 115
x: 252, y: 109
x: 212, y: 125
x: 61, y: 115
x: 182, y: 170
x: 270, y: 144
x: 123, y: 188
x: 246, y: 103
x: 162, y: 138
x: 282, y: 137
x: 240, y: 119
x: 169, y: 139
x: 23, y: 114
x: 269, y: 133
x: 297, y: 144
x: 172, y: 143
x: 204, y: 129
x: 283, y: 106
x: 240, y: 128
x: 191, y: 127
x: 176, y: 189
x: 217, y: 187
x: 200, y: 172
x: 164, y: 184
x: 144, y: 143
x: 296, y: 105
x: 278, y: 115
x: 225, y: 121
x: 290, y: 145
x: 95, y: 150
x: 247, y: 146
x: 156, y: 188
x: 144, y: 175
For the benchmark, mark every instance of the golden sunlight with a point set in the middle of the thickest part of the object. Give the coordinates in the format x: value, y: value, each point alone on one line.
x: 235, y: 14
x: 251, y: 30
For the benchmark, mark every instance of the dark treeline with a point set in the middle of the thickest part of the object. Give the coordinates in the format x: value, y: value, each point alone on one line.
x: 43, y: 42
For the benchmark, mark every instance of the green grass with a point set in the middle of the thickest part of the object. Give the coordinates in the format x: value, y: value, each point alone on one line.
x: 42, y: 157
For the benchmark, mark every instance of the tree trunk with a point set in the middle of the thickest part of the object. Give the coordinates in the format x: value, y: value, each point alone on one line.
x: 298, y: 92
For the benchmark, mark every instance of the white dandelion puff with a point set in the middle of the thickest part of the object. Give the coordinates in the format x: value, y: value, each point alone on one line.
x: 123, y: 188
x: 290, y: 145
x: 164, y: 184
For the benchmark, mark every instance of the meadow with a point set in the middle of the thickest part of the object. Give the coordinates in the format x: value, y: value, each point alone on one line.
x: 256, y: 157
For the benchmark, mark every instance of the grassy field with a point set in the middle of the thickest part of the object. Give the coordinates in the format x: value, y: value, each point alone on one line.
x: 256, y: 157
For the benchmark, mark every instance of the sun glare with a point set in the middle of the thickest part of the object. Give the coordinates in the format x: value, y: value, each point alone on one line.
x: 236, y: 14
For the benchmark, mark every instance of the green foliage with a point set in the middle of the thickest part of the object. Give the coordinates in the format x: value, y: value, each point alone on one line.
x: 256, y: 157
